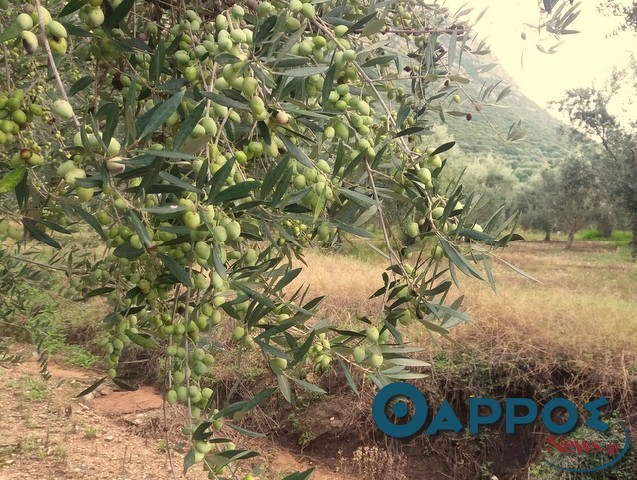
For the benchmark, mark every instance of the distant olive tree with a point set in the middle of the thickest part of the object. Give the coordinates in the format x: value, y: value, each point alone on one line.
x: 589, y: 115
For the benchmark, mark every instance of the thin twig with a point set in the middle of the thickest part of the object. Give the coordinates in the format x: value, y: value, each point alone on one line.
x: 170, y: 458
x: 7, y: 68
x: 49, y: 54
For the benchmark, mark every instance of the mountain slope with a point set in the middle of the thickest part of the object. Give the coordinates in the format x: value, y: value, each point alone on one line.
x: 544, y: 142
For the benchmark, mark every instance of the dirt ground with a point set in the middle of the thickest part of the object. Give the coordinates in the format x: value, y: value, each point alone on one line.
x: 47, y: 433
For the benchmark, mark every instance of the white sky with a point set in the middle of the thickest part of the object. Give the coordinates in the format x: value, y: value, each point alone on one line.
x: 582, y: 58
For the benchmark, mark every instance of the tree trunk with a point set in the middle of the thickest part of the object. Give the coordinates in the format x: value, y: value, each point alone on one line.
x: 547, y: 236
x: 604, y: 225
x: 569, y: 239
x: 634, y: 231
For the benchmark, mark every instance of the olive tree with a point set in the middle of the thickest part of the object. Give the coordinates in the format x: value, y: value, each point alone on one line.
x: 588, y: 111
x: 201, y: 147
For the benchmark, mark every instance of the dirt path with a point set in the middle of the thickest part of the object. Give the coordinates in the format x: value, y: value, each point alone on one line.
x: 46, y: 433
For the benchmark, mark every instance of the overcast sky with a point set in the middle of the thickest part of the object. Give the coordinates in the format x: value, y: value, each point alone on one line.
x: 581, y: 59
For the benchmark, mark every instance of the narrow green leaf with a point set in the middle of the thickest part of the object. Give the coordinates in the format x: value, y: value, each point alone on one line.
x: 382, y: 60
x: 40, y: 235
x: 408, y: 362
x: 178, y: 182
x: 348, y: 376
x: 296, y: 152
x: 119, y: 13
x: 328, y: 83
x: 362, y: 22
x: 12, y: 179
x: 189, y: 459
x: 81, y: 84
x: 124, y: 385
x: 225, y: 101
x: 244, y: 431
x: 140, y: 229
x: 176, y: 270
x: 126, y: 250
x: 373, y: 27
x: 237, y: 192
x: 111, y: 112
x: 458, y: 260
x: 156, y: 116
x: 303, y: 71
x: 141, y: 340
x: 219, y: 179
x: 72, y: 6
x: 166, y: 209
x: 308, y: 386
x: 410, y: 131
x: 12, y: 31
x: 443, y: 148
x: 97, y: 292
x: 284, y: 386
x: 245, y: 405
x: 300, y: 475
x: 88, y: 390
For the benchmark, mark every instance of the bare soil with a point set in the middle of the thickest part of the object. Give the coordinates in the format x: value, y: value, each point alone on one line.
x: 47, y: 433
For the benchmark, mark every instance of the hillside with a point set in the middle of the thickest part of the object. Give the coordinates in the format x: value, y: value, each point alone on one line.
x: 543, y: 142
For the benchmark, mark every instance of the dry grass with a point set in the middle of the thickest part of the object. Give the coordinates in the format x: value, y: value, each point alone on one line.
x: 583, y: 311
x: 346, y: 282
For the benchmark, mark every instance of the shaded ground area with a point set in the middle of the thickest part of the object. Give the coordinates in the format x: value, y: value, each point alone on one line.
x: 47, y: 433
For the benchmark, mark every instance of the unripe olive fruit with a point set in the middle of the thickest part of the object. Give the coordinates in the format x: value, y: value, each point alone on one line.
x: 456, y: 98
x: 376, y: 360
x: 237, y: 333
x: 233, y: 230
x: 437, y: 212
x: 413, y: 230
x: 437, y: 252
x: 202, y: 249
x: 171, y: 397
x: 435, y: 161
x: 84, y: 194
x: 220, y: 234
x: 282, y: 118
x: 46, y: 16
x: 29, y: 41
x: 58, y: 45
x: 56, y: 29
x: 15, y: 233
x: 182, y: 393
x: 203, y: 447
x: 192, y: 220
x: 62, y: 109
x: 372, y: 333
x: 340, y: 30
x: 74, y: 174
x: 24, y: 21
x: 95, y: 17
x: 359, y: 354
x: 424, y: 175
x: 179, y: 376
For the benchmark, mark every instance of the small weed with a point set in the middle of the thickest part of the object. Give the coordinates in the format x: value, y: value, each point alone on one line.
x: 375, y: 462
x: 90, y: 432
x: 59, y: 452
x: 33, y: 389
x: 78, y: 356
x: 306, y: 438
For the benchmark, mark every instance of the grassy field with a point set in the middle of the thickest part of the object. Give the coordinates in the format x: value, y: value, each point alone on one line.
x: 583, y: 304
x: 573, y: 331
